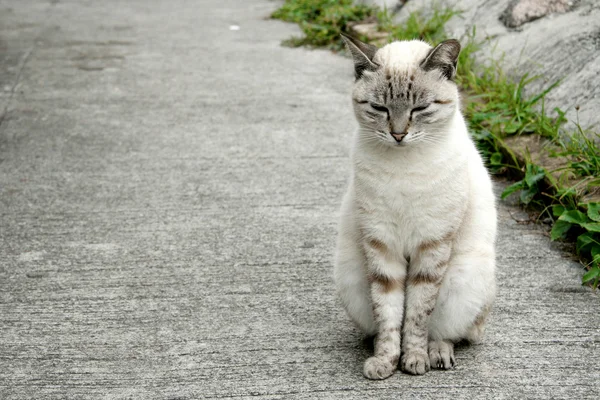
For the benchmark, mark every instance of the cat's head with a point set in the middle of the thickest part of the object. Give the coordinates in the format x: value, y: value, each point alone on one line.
x: 404, y: 93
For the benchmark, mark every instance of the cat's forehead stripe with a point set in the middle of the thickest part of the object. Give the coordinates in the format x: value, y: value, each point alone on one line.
x: 401, y: 61
x: 399, y: 83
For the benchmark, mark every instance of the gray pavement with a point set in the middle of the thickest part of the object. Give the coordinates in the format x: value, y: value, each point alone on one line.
x: 169, y: 191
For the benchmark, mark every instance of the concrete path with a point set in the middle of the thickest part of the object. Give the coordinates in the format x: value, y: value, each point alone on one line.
x: 168, y: 198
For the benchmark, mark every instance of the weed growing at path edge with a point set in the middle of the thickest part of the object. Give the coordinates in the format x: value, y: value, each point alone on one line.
x: 322, y: 21
x: 496, y: 109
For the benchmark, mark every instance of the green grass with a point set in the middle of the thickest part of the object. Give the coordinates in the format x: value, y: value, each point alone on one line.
x: 417, y: 26
x: 322, y: 21
x: 496, y: 108
x: 583, y: 153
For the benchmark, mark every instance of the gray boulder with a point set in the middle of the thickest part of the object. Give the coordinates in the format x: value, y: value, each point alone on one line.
x: 555, y: 39
x: 389, y: 4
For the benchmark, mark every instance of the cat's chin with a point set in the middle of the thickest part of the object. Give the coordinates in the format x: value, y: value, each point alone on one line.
x: 395, y: 144
x: 392, y: 143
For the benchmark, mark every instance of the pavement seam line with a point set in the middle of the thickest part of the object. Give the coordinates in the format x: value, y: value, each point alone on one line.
x: 22, y: 65
x: 16, y: 83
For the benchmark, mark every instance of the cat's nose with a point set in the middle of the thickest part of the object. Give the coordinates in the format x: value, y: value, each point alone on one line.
x: 399, y: 136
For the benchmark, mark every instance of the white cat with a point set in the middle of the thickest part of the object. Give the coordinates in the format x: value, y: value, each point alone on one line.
x: 415, y: 255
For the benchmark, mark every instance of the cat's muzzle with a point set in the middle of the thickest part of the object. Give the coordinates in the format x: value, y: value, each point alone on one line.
x: 399, y: 136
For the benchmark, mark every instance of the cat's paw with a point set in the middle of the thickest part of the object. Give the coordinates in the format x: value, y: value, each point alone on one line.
x: 441, y: 355
x: 379, y: 368
x: 415, y: 362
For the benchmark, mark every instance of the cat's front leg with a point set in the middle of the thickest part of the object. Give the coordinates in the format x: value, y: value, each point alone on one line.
x: 425, y: 274
x: 387, y: 276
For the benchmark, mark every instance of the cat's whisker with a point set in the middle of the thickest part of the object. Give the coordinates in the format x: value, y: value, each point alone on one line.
x: 372, y: 137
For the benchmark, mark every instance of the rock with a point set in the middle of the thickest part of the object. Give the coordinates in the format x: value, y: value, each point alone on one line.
x: 558, y: 46
x: 370, y: 30
x: 389, y: 4
x: 520, y: 12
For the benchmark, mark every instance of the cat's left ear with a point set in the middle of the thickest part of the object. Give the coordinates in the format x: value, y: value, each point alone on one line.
x: 443, y: 57
x: 362, y: 53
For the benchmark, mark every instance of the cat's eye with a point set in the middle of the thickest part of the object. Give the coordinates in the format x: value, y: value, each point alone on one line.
x: 417, y: 109
x: 378, y: 107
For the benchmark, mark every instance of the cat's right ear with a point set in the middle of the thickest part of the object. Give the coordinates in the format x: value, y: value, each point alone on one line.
x: 362, y: 53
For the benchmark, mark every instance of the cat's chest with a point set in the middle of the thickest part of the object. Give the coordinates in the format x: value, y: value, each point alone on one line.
x: 413, y: 202
x: 402, y: 197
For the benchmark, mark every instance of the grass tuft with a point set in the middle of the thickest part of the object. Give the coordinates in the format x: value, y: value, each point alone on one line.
x: 322, y: 21
x: 417, y: 26
x: 583, y: 153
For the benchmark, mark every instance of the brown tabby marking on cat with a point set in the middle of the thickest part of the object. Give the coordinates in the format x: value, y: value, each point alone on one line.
x: 432, y: 244
x: 377, y: 245
x: 387, y: 284
x: 423, y: 278
x: 480, y: 319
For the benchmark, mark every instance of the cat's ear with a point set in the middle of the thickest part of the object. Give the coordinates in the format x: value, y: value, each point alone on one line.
x: 362, y: 53
x: 443, y: 57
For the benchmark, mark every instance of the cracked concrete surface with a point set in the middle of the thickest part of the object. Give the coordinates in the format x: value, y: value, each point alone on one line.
x: 169, y: 191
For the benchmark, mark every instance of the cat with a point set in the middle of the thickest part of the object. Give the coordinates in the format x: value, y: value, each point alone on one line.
x: 415, y: 256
